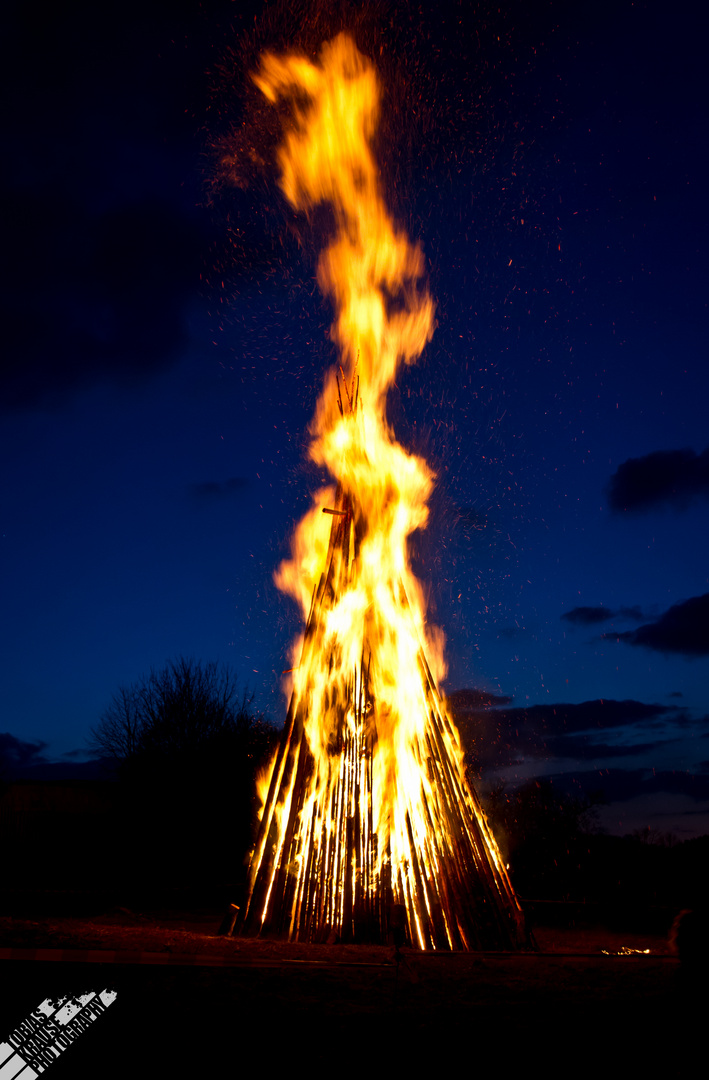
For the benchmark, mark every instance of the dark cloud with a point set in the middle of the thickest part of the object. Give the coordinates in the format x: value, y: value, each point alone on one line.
x: 684, y: 628
x: 18, y: 754
x: 676, y: 693
x: 91, y: 297
x: 214, y: 489
x: 498, y: 737
x: 464, y: 700
x: 587, y: 748
x: 588, y: 616
x: 603, y: 714
x: 633, y: 612
x: 620, y: 785
x: 22, y: 760
x: 94, y: 769
x: 103, y: 245
x: 667, y: 476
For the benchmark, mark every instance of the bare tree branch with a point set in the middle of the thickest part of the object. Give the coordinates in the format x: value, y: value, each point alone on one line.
x: 175, y: 710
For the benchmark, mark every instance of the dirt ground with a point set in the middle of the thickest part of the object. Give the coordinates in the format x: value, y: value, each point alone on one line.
x: 190, y: 1012
x: 187, y: 934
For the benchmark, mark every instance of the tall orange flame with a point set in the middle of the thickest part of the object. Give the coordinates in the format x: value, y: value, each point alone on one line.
x: 362, y: 807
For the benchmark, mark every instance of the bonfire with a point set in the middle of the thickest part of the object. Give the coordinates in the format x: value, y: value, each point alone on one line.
x: 367, y: 819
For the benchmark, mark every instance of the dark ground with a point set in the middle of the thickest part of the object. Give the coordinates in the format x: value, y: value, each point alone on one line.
x: 268, y: 1004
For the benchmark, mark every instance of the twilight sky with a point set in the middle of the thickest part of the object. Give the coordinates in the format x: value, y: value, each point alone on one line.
x: 165, y: 344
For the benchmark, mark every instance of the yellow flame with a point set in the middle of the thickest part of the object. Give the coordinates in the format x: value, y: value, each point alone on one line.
x: 360, y: 683
x: 263, y: 782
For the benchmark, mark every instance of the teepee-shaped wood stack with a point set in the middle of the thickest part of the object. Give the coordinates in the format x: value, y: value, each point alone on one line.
x: 318, y: 871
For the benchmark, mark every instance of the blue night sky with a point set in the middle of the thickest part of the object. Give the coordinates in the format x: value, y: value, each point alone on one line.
x: 166, y: 344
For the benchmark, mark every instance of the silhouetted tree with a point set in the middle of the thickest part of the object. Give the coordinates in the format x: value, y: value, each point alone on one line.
x: 183, y: 706
x: 187, y: 745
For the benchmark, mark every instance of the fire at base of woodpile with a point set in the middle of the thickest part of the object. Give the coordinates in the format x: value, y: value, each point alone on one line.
x: 367, y: 817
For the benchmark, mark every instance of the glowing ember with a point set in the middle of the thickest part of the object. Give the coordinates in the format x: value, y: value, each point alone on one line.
x: 366, y: 804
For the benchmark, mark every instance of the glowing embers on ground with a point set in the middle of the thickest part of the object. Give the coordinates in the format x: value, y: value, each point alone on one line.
x: 366, y: 804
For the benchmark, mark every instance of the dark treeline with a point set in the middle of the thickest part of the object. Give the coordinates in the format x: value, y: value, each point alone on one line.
x: 556, y: 852
x: 177, y: 812
x: 177, y: 809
